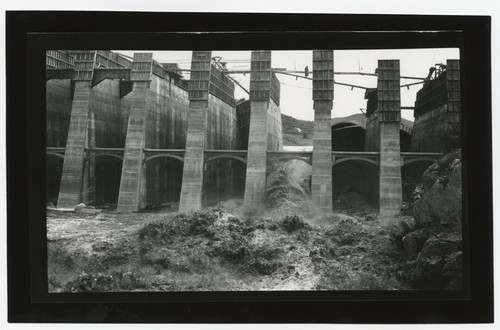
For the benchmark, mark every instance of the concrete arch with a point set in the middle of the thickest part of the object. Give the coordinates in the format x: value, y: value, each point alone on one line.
x: 56, y: 154
x: 414, y: 160
x: 348, y: 136
x: 241, y: 159
x: 347, y: 124
x: 180, y: 158
x: 104, y: 155
x: 363, y: 159
x: 349, y: 133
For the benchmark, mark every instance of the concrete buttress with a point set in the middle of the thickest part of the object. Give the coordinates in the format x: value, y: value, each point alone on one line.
x: 70, y: 190
x: 255, y: 184
x: 260, y: 98
x: 192, y: 175
x: 321, y: 180
x: 131, y: 183
x: 389, y: 116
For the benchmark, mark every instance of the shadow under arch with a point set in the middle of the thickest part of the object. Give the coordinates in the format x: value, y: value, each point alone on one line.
x: 162, y: 179
x: 224, y: 178
x: 353, y: 177
x: 101, y: 179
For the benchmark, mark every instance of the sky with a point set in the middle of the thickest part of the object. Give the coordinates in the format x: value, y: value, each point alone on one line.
x: 296, y: 93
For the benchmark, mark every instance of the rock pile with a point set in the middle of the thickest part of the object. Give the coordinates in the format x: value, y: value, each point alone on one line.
x: 434, y: 241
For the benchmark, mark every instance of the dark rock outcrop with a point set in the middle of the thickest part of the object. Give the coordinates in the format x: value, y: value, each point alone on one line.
x: 439, y: 264
x: 413, y: 242
x: 436, y: 241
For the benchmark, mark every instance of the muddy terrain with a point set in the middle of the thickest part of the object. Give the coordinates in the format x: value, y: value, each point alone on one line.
x: 225, y: 248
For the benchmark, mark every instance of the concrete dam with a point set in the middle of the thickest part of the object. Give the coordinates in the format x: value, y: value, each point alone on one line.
x: 133, y: 132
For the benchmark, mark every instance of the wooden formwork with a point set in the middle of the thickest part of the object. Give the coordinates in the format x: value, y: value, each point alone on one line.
x: 389, y: 91
x: 59, y: 59
x: 142, y: 67
x: 453, y: 86
x: 260, y: 76
x: 323, y: 75
x: 199, y: 83
x: 432, y: 95
x: 221, y: 86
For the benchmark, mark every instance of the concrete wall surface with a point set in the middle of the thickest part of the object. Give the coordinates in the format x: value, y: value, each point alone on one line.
x: 219, y: 180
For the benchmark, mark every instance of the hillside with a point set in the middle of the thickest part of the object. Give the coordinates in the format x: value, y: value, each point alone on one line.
x: 289, y: 124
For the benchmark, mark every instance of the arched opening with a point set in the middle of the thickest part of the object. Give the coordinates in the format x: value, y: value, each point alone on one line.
x: 101, y: 180
x: 223, y: 179
x: 355, y: 185
x: 162, y: 182
x: 54, y: 165
x: 411, y: 176
x: 348, y: 137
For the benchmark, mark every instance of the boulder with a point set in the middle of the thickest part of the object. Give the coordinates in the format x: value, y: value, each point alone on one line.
x: 442, y: 245
x: 441, y: 206
x: 439, y: 264
x: 413, y: 243
x: 429, y: 272
x: 80, y: 207
x: 403, y: 225
x: 438, y: 212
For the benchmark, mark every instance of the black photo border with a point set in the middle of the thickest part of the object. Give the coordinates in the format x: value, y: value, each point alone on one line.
x: 29, y: 34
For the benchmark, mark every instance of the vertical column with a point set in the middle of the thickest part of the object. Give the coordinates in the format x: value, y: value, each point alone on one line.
x: 129, y: 197
x: 389, y: 115
x: 321, y: 180
x: 192, y: 176
x: 260, y: 88
x: 70, y: 191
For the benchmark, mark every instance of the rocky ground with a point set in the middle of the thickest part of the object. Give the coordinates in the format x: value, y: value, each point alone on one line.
x: 222, y: 248
x: 287, y: 247
x: 433, y: 240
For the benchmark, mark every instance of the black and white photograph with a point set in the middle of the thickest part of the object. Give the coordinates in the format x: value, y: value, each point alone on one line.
x: 254, y: 170
x: 249, y: 167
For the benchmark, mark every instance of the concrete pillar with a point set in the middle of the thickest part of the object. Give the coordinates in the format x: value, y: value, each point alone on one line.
x: 70, y: 191
x: 255, y: 183
x: 131, y: 183
x: 192, y: 175
x: 260, y: 90
x: 389, y: 116
x: 321, y: 180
